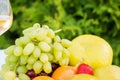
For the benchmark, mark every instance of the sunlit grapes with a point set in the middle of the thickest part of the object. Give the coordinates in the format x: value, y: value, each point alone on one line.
x: 37, y: 50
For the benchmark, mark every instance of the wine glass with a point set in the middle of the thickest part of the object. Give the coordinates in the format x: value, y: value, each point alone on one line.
x: 6, y: 16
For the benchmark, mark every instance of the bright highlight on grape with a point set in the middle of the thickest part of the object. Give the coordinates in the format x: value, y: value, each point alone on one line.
x: 38, y: 49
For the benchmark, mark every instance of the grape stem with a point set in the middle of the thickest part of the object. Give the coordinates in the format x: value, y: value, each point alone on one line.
x: 58, y: 31
x: 81, y: 61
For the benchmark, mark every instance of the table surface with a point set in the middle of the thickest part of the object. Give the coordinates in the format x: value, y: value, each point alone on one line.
x: 2, y: 58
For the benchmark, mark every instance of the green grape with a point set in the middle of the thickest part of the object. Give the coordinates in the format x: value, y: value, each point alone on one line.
x: 2, y: 73
x: 29, y: 66
x: 55, y: 60
x: 44, y: 30
x: 5, y: 67
x: 50, y: 56
x: 36, y: 52
x: 17, y: 78
x: 41, y: 34
x: 64, y: 61
x: 37, y: 67
x: 44, y: 57
x: 27, y: 31
x: 9, y: 50
x: 12, y: 58
x: 45, y: 27
x: 7, y: 59
x: 57, y: 55
x: 18, y: 42
x: 18, y: 51
x: 57, y: 46
x: 31, y: 60
x: 47, y: 67
x: 40, y: 37
x: 10, y: 75
x: 51, y: 33
x: 28, y: 49
x: 66, y: 53
x: 44, y: 47
x: 33, y: 34
x: 23, y: 59
x: 57, y: 39
x: 12, y: 66
x: 48, y: 40
x: 24, y: 40
x: 23, y: 77
x: 21, y: 69
x: 65, y: 43
x: 36, y: 25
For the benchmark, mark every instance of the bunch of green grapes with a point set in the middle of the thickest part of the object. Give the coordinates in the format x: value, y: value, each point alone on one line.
x: 36, y: 50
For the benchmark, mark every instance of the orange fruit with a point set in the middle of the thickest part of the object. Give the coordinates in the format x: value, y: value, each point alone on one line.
x: 43, y: 78
x: 91, y: 50
x: 63, y: 72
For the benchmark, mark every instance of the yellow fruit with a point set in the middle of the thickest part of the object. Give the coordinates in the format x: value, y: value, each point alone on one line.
x: 43, y: 78
x: 111, y: 72
x: 83, y: 77
x: 92, y: 50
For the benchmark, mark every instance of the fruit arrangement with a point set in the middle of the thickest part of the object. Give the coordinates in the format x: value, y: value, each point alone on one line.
x: 40, y: 54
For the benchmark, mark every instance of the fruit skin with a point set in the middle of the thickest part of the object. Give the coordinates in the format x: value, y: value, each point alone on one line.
x: 10, y: 75
x: 63, y: 72
x: 111, y: 72
x: 43, y: 78
x: 92, y: 50
x: 31, y: 74
x: 84, y: 69
x: 83, y: 77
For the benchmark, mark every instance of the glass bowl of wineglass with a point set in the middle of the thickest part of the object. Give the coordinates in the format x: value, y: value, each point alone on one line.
x: 6, y: 16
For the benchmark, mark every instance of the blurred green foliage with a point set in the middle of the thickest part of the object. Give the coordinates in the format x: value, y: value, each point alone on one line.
x: 74, y: 17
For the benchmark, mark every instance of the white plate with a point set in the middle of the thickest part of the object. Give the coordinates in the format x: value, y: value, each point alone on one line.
x: 2, y: 58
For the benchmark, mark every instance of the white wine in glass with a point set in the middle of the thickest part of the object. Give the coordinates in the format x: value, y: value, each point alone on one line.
x: 6, y: 16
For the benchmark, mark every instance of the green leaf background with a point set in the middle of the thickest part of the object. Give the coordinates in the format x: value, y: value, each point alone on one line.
x: 74, y: 17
